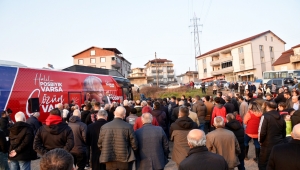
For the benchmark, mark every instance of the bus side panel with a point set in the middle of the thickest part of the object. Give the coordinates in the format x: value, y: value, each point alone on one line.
x: 52, y: 87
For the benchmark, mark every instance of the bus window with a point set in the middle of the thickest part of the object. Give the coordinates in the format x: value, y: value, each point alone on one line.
x: 272, y: 75
x: 266, y: 75
x: 296, y: 74
x: 283, y: 74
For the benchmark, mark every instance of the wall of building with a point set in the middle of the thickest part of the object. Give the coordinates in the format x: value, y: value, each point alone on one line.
x: 200, y: 67
x: 288, y: 66
x: 278, y: 49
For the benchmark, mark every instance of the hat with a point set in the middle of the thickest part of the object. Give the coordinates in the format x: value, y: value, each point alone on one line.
x: 146, y: 109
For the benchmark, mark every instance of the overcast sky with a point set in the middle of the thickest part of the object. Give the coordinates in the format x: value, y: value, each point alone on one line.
x: 36, y: 33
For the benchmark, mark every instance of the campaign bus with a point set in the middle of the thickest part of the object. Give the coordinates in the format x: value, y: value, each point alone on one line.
x: 268, y: 75
x: 39, y: 90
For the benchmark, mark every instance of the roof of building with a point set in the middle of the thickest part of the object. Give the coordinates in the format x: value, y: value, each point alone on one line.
x: 158, y: 60
x: 109, y: 49
x: 285, y: 56
x: 188, y: 73
x: 239, y: 42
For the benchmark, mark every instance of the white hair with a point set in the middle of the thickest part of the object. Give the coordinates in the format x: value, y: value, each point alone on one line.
x: 36, y: 114
x: 20, y: 117
x: 120, y: 112
x: 77, y: 113
x: 218, y: 121
x: 144, y: 103
x: 102, y: 113
x: 195, y: 142
x: 125, y: 102
x: 59, y: 106
x: 181, y: 103
x: 147, y: 118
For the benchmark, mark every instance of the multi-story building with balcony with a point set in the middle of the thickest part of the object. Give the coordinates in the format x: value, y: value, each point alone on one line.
x: 244, y: 60
x: 106, y: 58
x: 160, y: 70
x: 138, y: 77
x: 188, y: 77
x: 289, y: 60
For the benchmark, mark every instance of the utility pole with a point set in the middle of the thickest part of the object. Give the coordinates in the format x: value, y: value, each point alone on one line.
x: 196, y: 39
x: 156, y: 70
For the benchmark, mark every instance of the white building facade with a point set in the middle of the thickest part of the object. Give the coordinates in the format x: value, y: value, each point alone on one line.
x: 244, y: 60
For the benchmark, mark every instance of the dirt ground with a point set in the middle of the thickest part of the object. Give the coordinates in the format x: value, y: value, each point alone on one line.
x: 249, y: 165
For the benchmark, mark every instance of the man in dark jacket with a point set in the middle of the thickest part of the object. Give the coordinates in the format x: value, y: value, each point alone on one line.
x: 21, y: 141
x: 79, y: 131
x: 271, y: 132
x: 117, y: 142
x: 86, y: 111
x: 286, y: 156
x: 34, y: 122
x: 3, y: 151
x: 220, y: 94
x: 54, y: 134
x: 178, y: 131
x: 154, y: 154
x: 228, y: 105
x: 93, y: 132
x: 280, y: 97
x: 91, y: 118
x: 175, y: 110
x: 171, y: 106
x: 4, y: 123
x: 238, y: 130
x: 201, y: 111
x: 236, y: 87
x: 199, y: 158
x: 160, y: 116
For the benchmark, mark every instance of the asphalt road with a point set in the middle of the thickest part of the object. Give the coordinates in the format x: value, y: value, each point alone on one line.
x: 249, y: 165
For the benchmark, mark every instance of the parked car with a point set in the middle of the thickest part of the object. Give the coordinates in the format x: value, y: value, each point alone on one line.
x: 279, y: 82
x: 197, y: 85
x: 173, y: 86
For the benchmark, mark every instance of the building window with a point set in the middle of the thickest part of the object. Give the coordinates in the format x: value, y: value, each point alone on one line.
x: 80, y: 61
x: 242, y: 61
x: 266, y: 38
x: 227, y: 64
x: 205, y: 70
x: 93, y: 52
x: 93, y: 60
x: 241, y: 50
x: 271, y: 49
x: 103, y: 67
x: 102, y: 60
x: 261, y: 48
x: 272, y: 39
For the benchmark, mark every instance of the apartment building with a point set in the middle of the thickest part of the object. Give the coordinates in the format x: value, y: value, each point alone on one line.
x: 243, y: 60
x: 188, y: 77
x: 289, y: 60
x: 138, y: 77
x: 106, y: 58
x: 160, y: 70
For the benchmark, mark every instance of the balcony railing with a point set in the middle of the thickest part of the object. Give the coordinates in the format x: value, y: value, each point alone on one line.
x: 170, y: 76
x: 217, y: 62
x: 116, y: 64
x: 295, y: 58
x: 170, y: 71
x: 222, y: 71
x: 158, y: 70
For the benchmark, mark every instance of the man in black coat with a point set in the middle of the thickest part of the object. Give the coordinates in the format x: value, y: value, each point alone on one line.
x: 238, y: 130
x: 3, y: 151
x: 154, y: 154
x: 286, y: 156
x: 271, y: 132
x: 199, y: 158
x: 4, y: 123
x: 220, y: 94
x: 54, y: 134
x: 228, y: 105
x: 175, y: 111
x: 21, y: 142
x: 34, y: 122
x: 93, y: 132
x: 280, y: 97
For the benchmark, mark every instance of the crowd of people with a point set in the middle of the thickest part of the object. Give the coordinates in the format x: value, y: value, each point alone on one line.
x: 208, y: 132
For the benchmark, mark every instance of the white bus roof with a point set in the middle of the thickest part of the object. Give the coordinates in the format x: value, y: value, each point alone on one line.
x: 11, y: 63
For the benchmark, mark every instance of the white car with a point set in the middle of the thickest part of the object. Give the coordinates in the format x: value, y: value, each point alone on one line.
x: 197, y: 86
x: 173, y: 86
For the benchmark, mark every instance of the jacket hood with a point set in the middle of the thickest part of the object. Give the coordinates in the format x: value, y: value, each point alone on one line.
x: 74, y: 119
x: 219, y: 106
x: 257, y: 114
x: 275, y: 114
x: 234, y: 125
x: 201, y: 103
x: 185, y: 122
x: 56, y: 129
x: 18, y: 127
